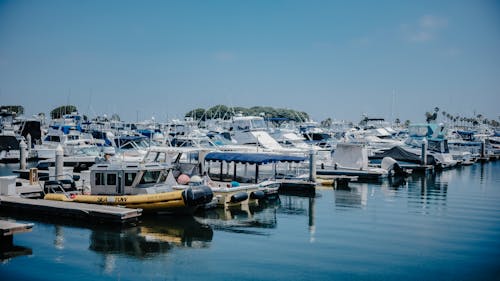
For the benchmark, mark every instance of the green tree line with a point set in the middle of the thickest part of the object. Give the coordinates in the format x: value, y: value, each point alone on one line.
x: 224, y: 112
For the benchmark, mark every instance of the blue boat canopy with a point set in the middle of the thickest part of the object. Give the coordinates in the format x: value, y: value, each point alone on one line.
x: 252, y: 158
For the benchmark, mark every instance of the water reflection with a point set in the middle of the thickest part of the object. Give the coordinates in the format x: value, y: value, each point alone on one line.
x: 352, y: 196
x: 302, y: 206
x: 244, y: 219
x: 153, y: 236
x: 423, y: 191
x: 14, y: 251
x: 428, y: 191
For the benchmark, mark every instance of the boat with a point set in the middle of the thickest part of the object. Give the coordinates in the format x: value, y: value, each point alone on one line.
x: 136, y: 185
x: 9, y: 147
x: 433, y: 136
x: 271, y: 183
x: 13, y: 131
x: 69, y: 139
x: 352, y: 160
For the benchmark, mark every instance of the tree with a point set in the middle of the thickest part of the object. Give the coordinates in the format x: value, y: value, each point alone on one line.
x: 58, y: 112
x: 327, y: 123
x: 219, y: 112
x: 397, y: 122
x: 17, y: 109
x: 428, y: 117
x: 225, y: 112
x: 197, y: 114
x: 431, y: 116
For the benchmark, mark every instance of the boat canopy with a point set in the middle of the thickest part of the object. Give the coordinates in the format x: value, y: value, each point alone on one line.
x: 252, y: 158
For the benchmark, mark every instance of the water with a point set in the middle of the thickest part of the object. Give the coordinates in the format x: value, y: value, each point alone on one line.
x: 444, y: 226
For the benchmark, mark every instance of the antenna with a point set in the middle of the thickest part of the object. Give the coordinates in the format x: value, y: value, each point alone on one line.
x: 392, y: 105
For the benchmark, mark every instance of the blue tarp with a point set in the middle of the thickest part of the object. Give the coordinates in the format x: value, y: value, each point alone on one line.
x: 252, y: 158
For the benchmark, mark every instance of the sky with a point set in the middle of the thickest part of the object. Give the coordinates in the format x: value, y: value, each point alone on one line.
x: 338, y: 59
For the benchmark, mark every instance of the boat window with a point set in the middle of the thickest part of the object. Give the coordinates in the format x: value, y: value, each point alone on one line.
x: 418, y: 131
x: 434, y: 146
x: 129, y: 178
x: 53, y: 138
x: 99, y: 179
x: 111, y: 179
x: 150, y: 177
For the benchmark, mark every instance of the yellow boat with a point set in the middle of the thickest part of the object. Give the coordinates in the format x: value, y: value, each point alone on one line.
x: 141, y: 186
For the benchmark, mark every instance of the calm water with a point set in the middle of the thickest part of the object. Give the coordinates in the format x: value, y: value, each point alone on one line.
x: 437, y: 227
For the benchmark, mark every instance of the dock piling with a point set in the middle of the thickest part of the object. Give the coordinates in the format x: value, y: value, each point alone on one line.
x: 424, y: 152
x: 312, y: 165
x: 22, y: 155
x: 28, y: 142
x: 59, y: 172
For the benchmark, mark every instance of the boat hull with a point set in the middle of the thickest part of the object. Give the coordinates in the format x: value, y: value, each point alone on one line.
x: 178, y: 201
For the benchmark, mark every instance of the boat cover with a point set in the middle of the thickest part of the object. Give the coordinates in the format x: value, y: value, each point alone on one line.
x: 252, y: 158
x: 399, y: 154
x: 352, y: 156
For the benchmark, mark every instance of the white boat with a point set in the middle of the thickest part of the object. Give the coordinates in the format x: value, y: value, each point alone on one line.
x: 436, y: 142
x: 9, y: 147
x: 352, y: 160
x: 55, y: 137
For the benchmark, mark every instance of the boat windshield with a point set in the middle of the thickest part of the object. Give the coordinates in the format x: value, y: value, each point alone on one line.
x: 86, y: 151
x: 258, y: 124
x: 418, y: 131
x: 440, y: 146
x: 150, y: 177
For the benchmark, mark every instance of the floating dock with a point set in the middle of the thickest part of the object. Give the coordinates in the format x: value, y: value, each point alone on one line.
x: 58, y: 209
x: 8, y: 229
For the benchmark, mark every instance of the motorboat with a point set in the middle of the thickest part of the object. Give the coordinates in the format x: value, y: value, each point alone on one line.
x: 352, y: 160
x: 135, y: 185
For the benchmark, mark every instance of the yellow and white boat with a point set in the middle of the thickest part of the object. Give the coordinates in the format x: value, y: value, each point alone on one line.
x: 137, y: 185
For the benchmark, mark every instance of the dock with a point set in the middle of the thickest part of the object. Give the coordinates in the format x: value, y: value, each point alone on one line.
x: 7, y: 231
x: 58, y: 209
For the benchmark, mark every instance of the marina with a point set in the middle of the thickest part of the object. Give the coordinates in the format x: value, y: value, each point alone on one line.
x: 249, y: 140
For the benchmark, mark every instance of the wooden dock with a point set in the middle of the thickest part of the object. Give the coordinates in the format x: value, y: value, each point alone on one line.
x: 58, y: 209
x: 8, y: 229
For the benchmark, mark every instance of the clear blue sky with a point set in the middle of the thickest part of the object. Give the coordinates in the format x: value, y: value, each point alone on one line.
x: 336, y: 59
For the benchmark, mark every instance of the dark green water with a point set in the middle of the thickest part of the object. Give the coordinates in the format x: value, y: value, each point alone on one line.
x: 444, y: 226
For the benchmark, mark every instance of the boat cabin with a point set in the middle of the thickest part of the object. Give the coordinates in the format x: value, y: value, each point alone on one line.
x: 129, y: 178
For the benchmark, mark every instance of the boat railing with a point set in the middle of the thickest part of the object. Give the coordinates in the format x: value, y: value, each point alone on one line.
x: 52, y: 184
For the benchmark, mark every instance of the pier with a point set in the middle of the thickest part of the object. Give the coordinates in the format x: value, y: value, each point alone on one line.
x: 8, y: 229
x: 89, y: 212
